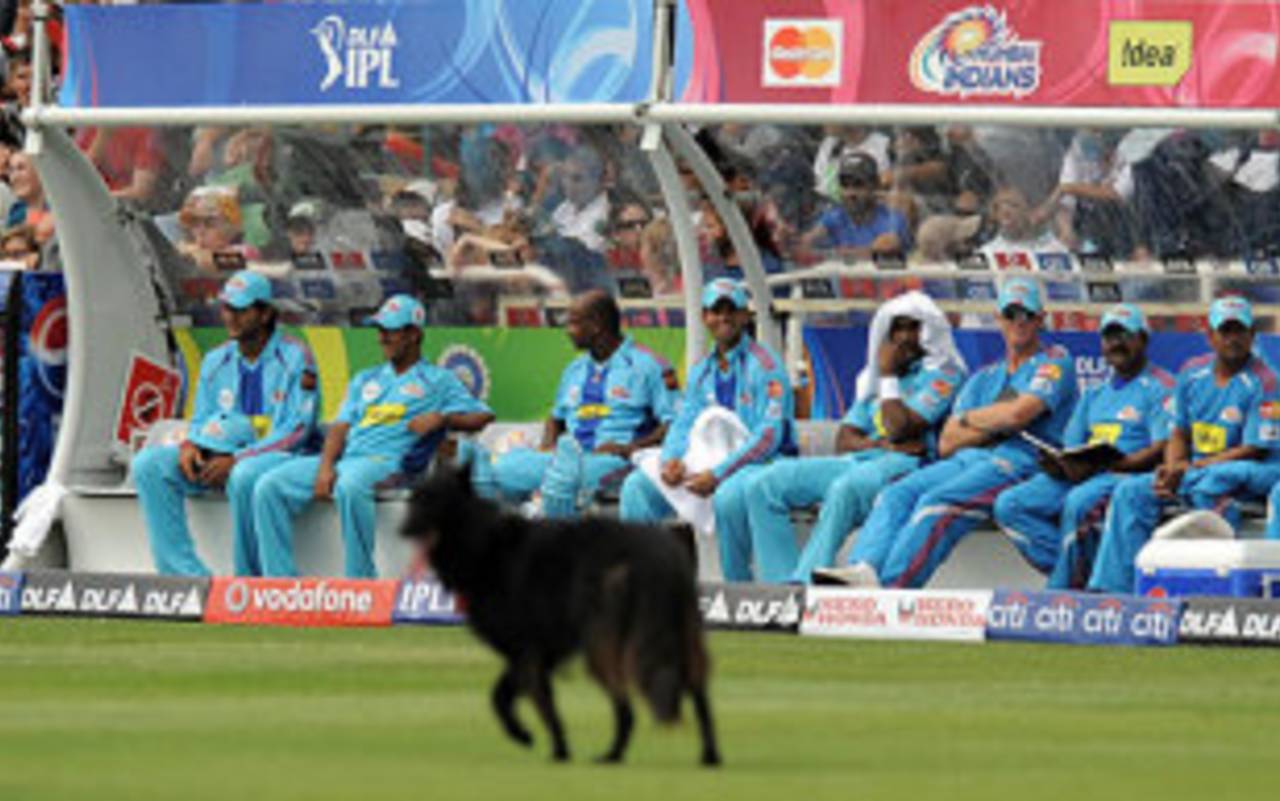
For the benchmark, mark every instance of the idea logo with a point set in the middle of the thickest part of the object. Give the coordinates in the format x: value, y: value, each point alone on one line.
x: 802, y: 52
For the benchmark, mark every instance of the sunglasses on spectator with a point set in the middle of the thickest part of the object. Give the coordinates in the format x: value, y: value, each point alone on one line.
x: 625, y: 224
x: 1017, y: 314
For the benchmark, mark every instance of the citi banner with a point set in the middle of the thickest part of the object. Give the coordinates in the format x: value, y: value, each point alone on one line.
x: 896, y: 614
x: 1137, y: 53
x: 1232, y: 622
x: 56, y: 592
x: 426, y: 51
x: 1083, y: 619
x: 751, y: 606
x: 425, y: 600
x: 10, y: 593
x: 302, y: 601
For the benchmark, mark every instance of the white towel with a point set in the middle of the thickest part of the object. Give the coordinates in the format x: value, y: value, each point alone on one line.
x: 35, y: 516
x: 935, y: 337
x: 716, y: 434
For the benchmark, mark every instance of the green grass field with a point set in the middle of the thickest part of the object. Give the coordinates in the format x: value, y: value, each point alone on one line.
x: 107, y: 710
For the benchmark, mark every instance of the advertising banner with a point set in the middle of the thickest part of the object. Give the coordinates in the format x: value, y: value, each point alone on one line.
x: 150, y: 394
x: 426, y: 51
x: 1141, y: 53
x: 56, y: 592
x: 1232, y: 622
x: 10, y: 593
x: 1082, y: 619
x: 302, y: 601
x: 42, y: 376
x: 425, y: 600
x: 751, y: 606
x: 896, y: 614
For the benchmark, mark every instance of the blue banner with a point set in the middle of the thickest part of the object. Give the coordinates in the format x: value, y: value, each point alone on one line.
x: 1082, y: 619
x: 10, y: 593
x: 426, y: 51
x: 837, y: 355
x: 425, y: 600
x: 42, y: 375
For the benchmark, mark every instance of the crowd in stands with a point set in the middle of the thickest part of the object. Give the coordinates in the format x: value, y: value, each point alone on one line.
x: 584, y: 202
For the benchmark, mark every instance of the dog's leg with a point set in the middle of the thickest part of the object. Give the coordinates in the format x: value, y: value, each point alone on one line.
x: 702, y: 706
x: 623, y: 721
x: 544, y: 700
x: 504, y: 695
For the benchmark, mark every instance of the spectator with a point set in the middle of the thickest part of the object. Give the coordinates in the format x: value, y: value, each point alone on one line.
x: 17, y: 85
x: 920, y: 178
x: 19, y: 244
x: 585, y: 209
x: 861, y: 225
x: 483, y: 195
x: 627, y: 222
x: 658, y: 258
x: 300, y: 228
x: 1018, y: 237
x: 412, y: 207
x: 211, y: 220
x: 971, y: 171
x: 30, y: 207
x: 840, y: 141
x: 1091, y: 211
x: 128, y: 159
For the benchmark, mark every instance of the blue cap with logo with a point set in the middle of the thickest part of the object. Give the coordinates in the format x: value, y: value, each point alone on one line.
x: 1233, y: 309
x: 1020, y: 292
x: 724, y: 289
x: 399, y: 311
x: 244, y: 289
x: 223, y: 433
x: 1125, y: 315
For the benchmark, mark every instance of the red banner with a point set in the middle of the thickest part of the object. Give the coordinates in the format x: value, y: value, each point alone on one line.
x: 1146, y: 53
x: 301, y: 602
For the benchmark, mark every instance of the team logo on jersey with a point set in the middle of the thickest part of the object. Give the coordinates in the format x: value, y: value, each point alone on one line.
x: 621, y: 393
x: 277, y: 396
x: 745, y: 399
x: 940, y: 387
x: 413, y: 390
x: 1232, y: 414
x: 774, y: 389
x: 370, y: 390
x: 1129, y: 414
x: 1270, y: 410
x: 226, y: 399
x: 974, y: 51
x: 1049, y: 372
x: 470, y: 368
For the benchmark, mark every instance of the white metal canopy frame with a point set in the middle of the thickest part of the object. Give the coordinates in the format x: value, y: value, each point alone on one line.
x: 112, y: 308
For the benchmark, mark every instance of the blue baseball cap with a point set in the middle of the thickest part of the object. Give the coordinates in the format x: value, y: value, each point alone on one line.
x: 1020, y: 292
x: 244, y: 289
x: 1230, y: 309
x: 1125, y: 315
x: 399, y: 311
x: 223, y: 433
x: 724, y: 289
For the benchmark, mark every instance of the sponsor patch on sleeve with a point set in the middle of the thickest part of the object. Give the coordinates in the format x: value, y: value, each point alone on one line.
x: 774, y: 389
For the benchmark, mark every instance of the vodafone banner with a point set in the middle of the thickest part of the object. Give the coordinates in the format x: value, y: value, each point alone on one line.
x: 1100, y: 53
x: 896, y: 614
x: 302, y: 601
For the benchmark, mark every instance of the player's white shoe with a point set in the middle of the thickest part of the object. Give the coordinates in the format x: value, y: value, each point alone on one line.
x: 856, y: 575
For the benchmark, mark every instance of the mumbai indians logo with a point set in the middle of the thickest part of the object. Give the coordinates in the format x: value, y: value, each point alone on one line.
x: 358, y: 55
x: 973, y: 52
x: 469, y: 367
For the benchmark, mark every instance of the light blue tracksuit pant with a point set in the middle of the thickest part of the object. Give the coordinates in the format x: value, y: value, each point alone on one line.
x: 846, y: 486
x: 1059, y: 524
x: 1135, y: 512
x: 285, y: 491
x: 918, y: 519
x: 642, y: 502
x: 162, y: 490
x: 564, y: 475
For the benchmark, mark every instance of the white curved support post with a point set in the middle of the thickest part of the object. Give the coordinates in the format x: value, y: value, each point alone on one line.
x: 735, y: 225
x: 681, y: 216
x: 112, y: 310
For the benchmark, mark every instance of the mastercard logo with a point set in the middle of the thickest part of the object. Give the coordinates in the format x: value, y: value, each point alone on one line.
x: 803, y: 52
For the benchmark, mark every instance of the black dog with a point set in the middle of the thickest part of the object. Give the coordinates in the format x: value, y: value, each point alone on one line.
x: 540, y: 591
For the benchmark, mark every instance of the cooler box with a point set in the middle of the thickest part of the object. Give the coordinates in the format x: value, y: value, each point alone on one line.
x: 1239, y: 568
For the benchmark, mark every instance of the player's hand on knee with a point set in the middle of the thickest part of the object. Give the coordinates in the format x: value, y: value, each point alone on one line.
x: 189, y: 461
x: 673, y: 472
x: 326, y: 478
x: 215, y: 471
x: 702, y: 484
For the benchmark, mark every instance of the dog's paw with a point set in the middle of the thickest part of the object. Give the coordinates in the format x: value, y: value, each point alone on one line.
x: 521, y: 736
x: 711, y: 759
x: 560, y: 756
x: 609, y: 758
